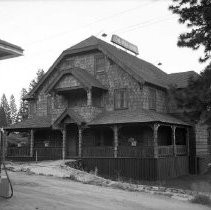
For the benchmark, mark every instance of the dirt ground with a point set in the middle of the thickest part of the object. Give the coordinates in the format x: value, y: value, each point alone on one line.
x: 200, y: 183
x: 48, y: 193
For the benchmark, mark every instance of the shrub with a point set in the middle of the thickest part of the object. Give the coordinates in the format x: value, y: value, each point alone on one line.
x: 202, y: 199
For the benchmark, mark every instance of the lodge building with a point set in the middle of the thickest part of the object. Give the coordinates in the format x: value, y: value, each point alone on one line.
x: 113, y: 111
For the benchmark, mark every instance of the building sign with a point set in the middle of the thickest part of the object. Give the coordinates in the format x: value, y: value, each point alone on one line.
x: 125, y: 44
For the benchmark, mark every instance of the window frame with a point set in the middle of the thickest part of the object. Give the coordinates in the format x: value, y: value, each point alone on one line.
x: 125, y: 101
x: 99, y: 56
x: 152, y: 99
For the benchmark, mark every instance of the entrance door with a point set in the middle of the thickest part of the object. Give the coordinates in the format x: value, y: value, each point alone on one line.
x: 72, y: 140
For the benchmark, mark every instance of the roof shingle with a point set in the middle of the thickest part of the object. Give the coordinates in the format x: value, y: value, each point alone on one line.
x: 135, y: 116
x: 36, y: 122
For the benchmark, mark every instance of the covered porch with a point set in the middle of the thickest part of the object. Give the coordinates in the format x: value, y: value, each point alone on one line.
x: 114, y: 135
x: 135, y: 140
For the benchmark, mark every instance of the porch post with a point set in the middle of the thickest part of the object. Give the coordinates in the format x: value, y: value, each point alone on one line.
x: 4, y: 143
x: 89, y: 97
x: 79, y: 141
x: 64, y: 134
x: 173, y: 128
x: 187, y: 141
x: 155, y: 135
x: 31, y: 142
x: 115, y: 129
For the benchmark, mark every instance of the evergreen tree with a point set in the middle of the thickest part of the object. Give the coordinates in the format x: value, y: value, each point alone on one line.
x: 13, y: 109
x: 23, y: 110
x: 196, y: 14
x: 40, y: 73
x: 196, y: 97
x: 3, y: 120
x: 6, y: 107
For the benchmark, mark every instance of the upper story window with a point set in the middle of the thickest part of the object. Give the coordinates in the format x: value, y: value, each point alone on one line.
x: 99, y: 63
x: 120, y: 99
x: 152, y: 99
x: 68, y: 63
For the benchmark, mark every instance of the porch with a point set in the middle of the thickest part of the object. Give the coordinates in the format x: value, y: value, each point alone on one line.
x: 115, y: 141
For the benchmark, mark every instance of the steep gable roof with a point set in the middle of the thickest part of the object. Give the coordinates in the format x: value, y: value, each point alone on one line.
x: 71, y: 114
x: 140, y: 70
x: 181, y: 79
x: 81, y: 75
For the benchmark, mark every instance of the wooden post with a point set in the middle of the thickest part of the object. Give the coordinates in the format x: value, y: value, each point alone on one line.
x: 115, y: 129
x: 31, y: 142
x: 64, y: 136
x: 187, y: 141
x: 173, y: 128
x: 89, y: 97
x: 79, y: 141
x: 155, y: 136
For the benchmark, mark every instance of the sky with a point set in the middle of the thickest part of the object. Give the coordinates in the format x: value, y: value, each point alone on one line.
x: 45, y: 28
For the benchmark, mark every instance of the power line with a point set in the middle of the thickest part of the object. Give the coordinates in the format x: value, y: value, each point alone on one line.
x: 94, y: 22
x: 142, y: 24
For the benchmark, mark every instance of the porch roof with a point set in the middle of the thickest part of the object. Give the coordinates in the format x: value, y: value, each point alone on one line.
x: 81, y: 75
x: 75, y: 118
x: 135, y: 116
x: 30, y: 123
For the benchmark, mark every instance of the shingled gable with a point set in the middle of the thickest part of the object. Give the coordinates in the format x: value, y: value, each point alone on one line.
x: 136, y: 67
x: 86, y: 79
x: 70, y: 114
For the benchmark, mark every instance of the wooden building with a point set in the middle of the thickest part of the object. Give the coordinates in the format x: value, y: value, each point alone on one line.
x: 110, y: 109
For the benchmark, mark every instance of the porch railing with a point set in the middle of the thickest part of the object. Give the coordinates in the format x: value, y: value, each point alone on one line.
x: 99, y: 151
x: 39, y: 152
x: 181, y: 149
x: 129, y: 151
x: 164, y: 151
x: 48, y: 152
x: 18, y: 151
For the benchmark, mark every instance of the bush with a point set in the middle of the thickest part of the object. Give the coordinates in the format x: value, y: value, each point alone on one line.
x: 202, y: 199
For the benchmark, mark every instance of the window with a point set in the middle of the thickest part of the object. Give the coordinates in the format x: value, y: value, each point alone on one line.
x: 120, y: 99
x: 152, y: 99
x: 58, y: 102
x: 99, y: 63
x: 68, y: 63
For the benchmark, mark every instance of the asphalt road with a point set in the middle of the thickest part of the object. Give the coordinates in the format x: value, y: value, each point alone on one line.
x: 48, y: 193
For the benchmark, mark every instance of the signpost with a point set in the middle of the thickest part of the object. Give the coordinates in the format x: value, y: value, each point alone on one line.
x: 124, y: 43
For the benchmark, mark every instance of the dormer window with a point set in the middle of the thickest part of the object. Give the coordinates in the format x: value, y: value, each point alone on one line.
x: 99, y: 63
x: 120, y: 99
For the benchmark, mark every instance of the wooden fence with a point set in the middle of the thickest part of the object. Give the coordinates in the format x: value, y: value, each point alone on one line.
x: 99, y: 151
x: 151, y: 169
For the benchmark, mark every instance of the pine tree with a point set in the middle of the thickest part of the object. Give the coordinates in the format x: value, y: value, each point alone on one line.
x: 196, y: 97
x: 13, y: 109
x: 196, y: 14
x: 3, y: 120
x: 6, y: 107
x: 23, y: 110
x: 40, y: 73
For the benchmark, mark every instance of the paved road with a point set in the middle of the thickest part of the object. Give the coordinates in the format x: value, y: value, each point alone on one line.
x: 49, y: 193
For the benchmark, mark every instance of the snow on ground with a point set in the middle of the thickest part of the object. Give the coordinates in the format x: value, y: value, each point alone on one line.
x: 60, y: 169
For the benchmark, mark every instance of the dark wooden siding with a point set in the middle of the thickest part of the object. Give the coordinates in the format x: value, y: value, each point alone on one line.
x: 150, y: 169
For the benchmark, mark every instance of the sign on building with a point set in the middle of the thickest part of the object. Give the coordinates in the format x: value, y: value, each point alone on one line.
x: 124, y: 43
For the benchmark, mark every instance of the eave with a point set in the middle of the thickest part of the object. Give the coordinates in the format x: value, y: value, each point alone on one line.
x: 8, y: 50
